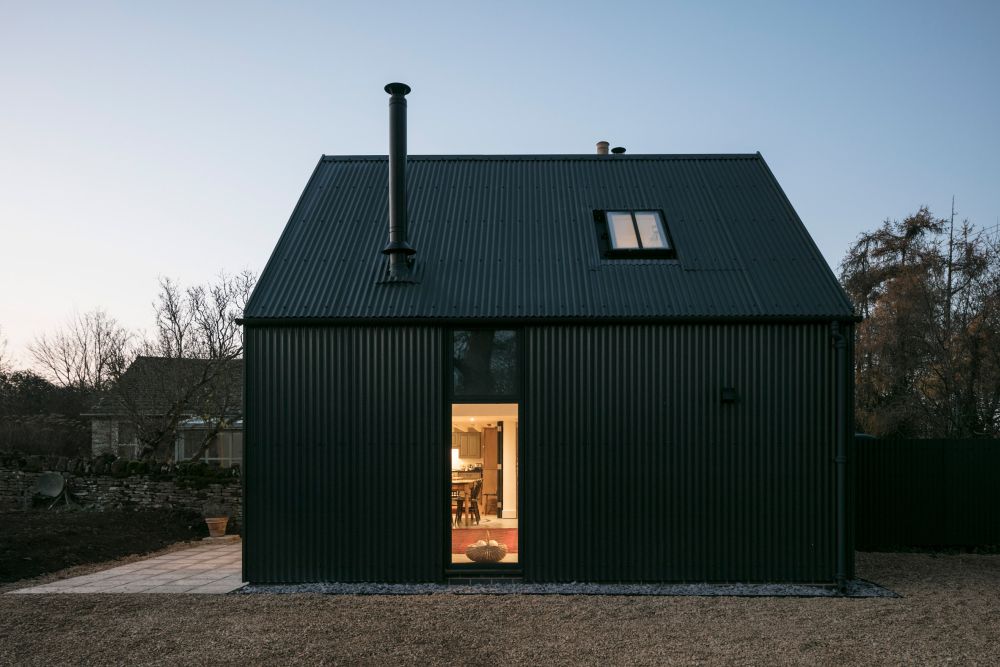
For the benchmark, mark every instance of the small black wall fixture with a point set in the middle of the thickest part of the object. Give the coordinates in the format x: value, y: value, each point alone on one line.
x: 398, y: 249
x: 729, y: 395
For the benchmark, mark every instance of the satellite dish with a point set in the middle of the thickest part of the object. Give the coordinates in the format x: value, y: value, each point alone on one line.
x: 50, y: 485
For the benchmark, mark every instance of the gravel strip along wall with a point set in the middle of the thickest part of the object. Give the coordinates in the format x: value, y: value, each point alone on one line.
x: 107, y: 490
x: 856, y: 588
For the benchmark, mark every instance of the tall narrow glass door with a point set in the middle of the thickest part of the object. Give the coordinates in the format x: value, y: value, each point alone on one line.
x: 484, y: 483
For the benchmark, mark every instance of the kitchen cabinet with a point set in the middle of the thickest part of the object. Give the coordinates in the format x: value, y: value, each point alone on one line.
x: 469, y: 445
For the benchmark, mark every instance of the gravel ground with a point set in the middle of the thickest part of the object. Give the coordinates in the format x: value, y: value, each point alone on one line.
x: 950, y: 610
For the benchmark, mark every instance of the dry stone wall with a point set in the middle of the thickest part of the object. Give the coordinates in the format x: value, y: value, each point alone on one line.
x: 101, y: 484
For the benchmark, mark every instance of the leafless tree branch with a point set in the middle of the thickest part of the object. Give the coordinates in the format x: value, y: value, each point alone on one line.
x: 88, y: 353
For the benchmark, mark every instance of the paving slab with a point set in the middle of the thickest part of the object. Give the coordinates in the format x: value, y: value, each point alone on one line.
x: 172, y: 589
x: 211, y: 568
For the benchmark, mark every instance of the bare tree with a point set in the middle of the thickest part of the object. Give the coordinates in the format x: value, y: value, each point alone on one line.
x: 174, y: 320
x: 216, y: 309
x: 218, y: 403
x: 5, y: 363
x: 200, y: 322
x: 191, y: 364
x: 88, y: 353
x: 157, y: 394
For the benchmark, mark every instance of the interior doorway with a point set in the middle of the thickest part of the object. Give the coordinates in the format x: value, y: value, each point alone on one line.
x: 484, y: 483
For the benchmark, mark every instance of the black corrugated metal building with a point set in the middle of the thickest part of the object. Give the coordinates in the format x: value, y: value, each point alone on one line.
x: 685, y: 407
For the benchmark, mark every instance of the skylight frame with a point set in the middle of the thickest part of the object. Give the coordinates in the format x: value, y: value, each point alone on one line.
x: 604, y: 234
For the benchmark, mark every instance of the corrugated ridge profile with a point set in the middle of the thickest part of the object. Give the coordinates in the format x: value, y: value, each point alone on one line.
x: 337, y: 441
x: 633, y: 469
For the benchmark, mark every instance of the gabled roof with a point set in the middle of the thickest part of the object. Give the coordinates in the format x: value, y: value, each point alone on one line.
x: 151, y: 385
x: 508, y: 236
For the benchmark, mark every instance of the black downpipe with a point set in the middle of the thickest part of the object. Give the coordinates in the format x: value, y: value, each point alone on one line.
x: 840, y: 373
x: 398, y: 248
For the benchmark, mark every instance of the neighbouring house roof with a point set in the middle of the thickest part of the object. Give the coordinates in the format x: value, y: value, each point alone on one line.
x: 513, y: 237
x: 152, y: 384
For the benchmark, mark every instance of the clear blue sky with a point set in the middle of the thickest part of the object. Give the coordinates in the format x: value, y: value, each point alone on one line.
x: 141, y: 139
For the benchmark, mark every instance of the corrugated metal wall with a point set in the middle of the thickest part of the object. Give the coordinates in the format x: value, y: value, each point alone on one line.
x: 630, y: 466
x: 928, y: 493
x: 633, y: 469
x: 344, y: 455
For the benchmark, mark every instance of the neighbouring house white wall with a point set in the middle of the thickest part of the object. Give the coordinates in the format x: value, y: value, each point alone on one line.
x: 107, y: 434
x: 509, y: 469
x: 102, y: 435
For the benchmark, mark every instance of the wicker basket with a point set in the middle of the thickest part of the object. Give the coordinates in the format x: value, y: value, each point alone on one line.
x: 486, y: 553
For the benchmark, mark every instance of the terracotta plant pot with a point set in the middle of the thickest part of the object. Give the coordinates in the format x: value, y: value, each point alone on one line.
x: 217, y: 526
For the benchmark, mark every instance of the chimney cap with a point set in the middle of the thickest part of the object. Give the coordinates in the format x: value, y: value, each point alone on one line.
x: 602, y: 147
x: 618, y: 150
x: 397, y: 89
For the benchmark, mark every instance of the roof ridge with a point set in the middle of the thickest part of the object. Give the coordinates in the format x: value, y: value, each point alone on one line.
x: 554, y: 157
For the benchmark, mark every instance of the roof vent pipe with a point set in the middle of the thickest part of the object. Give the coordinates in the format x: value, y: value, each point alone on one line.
x: 602, y: 147
x: 398, y: 249
x: 618, y: 150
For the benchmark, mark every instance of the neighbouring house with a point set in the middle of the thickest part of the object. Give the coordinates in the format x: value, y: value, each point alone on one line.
x: 181, y: 402
x: 624, y: 367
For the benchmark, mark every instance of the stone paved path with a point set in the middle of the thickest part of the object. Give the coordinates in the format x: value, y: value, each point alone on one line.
x: 210, y: 567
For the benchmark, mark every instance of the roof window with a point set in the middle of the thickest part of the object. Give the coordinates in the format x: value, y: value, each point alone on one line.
x: 633, y: 234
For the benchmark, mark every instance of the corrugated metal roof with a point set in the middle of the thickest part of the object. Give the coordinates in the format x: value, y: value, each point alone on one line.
x: 501, y: 237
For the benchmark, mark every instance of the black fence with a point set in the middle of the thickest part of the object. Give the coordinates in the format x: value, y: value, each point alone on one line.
x: 927, y: 493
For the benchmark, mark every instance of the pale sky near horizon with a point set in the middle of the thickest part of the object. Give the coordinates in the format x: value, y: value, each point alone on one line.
x: 147, y: 139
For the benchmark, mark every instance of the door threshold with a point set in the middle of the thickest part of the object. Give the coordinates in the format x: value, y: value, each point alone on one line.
x: 482, y: 575
x: 482, y: 578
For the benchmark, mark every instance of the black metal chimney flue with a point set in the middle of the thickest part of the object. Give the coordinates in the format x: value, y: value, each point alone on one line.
x: 398, y: 249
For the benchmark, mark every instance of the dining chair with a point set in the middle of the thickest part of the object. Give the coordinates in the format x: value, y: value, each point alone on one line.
x: 477, y: 488
x: 457, y: 506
